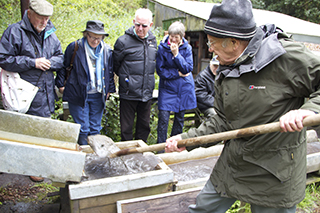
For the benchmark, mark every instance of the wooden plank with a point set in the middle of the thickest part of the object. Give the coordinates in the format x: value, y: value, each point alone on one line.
x: 201, y: 44
x: 313, y: 162
x: 118, y: 184
x: 172, y: 202
x: 75, y: 207
x: 100, y: 209
x: 111, y: 199
x: 313, y: 178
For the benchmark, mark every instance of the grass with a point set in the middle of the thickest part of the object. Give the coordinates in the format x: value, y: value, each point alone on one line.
x: 35, y: 193
x: 312, y: 199
x: 46, y: 188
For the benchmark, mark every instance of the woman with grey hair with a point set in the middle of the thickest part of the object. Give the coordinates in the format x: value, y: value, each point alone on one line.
x: 174, y: 65
x: 90, y: 81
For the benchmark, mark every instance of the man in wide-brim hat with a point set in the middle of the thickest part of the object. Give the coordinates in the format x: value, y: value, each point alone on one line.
x: 91, y: 79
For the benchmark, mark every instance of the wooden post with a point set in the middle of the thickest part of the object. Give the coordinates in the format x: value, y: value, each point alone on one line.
x: 201, y: 40
x: 24, y: 6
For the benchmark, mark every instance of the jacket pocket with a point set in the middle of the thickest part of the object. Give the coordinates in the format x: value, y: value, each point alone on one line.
x: 279, y: 163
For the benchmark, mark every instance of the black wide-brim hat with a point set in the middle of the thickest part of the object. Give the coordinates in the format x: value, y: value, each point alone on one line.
x: 96, y: 27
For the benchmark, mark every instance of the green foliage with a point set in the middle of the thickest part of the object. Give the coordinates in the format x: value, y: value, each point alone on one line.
x: 152, y: 139
x: 36, y: 193
x: 239, y: 206
x: 111, y: 119
x: 305, y: 10
x: 312, y: 198
x: 45, y: 188
x: 10, y: 13
x: 70, y: 19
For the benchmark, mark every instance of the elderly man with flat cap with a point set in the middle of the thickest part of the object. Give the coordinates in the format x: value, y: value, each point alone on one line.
x: 263, y: 77
x: 31, y: 48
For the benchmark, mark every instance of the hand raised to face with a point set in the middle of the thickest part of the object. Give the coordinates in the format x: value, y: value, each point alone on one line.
x: 174, y: 49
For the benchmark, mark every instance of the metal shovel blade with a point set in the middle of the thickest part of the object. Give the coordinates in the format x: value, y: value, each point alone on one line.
x: 102, y: 145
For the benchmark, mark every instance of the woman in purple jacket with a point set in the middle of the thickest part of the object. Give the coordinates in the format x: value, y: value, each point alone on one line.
x: 176, y: 88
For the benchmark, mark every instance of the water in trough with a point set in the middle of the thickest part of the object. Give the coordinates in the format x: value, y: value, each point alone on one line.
x: 102, y: 167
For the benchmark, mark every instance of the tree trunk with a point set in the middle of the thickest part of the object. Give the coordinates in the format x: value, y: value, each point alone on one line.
x: 24, y: 6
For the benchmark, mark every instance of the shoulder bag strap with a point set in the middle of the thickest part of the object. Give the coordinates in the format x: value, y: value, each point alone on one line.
x: 74, y: 53
x: 69, y: 68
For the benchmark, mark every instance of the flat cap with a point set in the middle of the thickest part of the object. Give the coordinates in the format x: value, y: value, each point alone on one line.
x: 41, y: 7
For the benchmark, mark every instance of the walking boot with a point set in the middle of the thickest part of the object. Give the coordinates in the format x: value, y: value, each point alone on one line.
x: 83, y: 140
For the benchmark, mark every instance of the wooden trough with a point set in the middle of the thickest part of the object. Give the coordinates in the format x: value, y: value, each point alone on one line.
x: 101, y: 195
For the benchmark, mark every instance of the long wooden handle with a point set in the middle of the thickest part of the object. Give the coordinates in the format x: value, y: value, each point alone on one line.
x: 313, y: 120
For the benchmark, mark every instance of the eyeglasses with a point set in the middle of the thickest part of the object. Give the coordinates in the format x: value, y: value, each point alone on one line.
x: 94, y: 38
x: 210, y: 44
x: 143, y: 25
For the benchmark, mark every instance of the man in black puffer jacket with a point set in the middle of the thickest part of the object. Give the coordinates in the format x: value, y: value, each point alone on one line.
x: 134, y: 63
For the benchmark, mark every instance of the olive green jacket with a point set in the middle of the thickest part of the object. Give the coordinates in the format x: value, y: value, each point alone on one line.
x: 273, y: 76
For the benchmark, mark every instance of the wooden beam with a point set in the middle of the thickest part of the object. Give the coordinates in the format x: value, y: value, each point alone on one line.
x: 201, y: 43
x: 171, y: 202
x: 24, y: 6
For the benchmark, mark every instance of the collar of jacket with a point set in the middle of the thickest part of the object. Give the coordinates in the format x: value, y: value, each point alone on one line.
x: 260, y: 52
x: 131, y: 32
x: 135, y: 33
x: 26, y: 25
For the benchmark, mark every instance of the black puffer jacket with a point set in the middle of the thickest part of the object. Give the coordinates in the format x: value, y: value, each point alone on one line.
x: 134, y: 63
x: 204, y: 88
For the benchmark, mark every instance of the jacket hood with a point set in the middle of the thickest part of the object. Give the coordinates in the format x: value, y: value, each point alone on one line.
x: 262, y: 49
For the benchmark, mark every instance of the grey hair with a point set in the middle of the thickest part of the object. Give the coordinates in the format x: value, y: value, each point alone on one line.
x: 177, y: 28
x: 144, y: 12
x: 225, y: 42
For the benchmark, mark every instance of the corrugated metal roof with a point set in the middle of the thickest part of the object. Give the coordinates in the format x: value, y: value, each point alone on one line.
x: 287, y: 23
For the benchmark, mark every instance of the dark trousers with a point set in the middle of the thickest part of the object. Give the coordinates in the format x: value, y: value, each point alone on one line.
x: 128, y: 111
x: 163, y: 120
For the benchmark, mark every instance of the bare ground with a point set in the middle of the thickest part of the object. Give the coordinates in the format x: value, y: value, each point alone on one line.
x: 18, y: 194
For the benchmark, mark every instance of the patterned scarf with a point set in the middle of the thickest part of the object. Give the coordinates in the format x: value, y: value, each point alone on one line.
x: 97, y: 73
